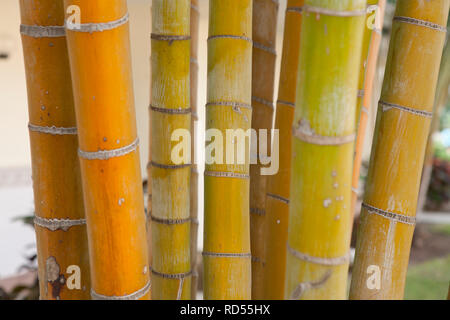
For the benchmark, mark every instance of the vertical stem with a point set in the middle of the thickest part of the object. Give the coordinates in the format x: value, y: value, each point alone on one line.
x: 99, y: 51
x: 278, y: 185
x: 440, y: 102
x: 226, y: 256
x: 403, y: 123
x: 322, y: 149
x: 195, y: 20
x: 63, y: 260
x: 371, y: 49
x: 171, y: 112
x: 265, y: 14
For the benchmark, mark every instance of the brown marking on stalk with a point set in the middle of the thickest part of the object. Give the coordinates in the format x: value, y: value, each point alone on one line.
x: 53, y: 276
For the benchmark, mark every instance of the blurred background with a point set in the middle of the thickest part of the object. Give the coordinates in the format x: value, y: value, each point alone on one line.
x: 429, y: 273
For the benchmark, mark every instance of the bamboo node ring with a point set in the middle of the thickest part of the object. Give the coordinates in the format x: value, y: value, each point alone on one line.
x: 97, y: 27
x: 334, y: 13
x: 43, y: 31
x: 108, y: 154
x: 422, y: 23
x: 194, y: 61
x: 277, y: 197
x: 226, y: 255
x: 233, y: 104
x: 286, y: 103
x: 390, y: 215
x: 257, y: 260
x: 337, y: 261
x: 218, y: 174
x: 195, y: 8
x: 171, y: 111
x: 169, y: 166
x: 258, y: 211
x: 53, y: 130
x: 294, y: 9
x: 170, y: 38
x: 302, y: 287
x: 174, y: 276
x: 304, y: 133
x: 230, y: 36
x: 58, y: 224
x: 263, y: 102
x: 170, y: 222
x: 264, y: 48
x: 387, y: 106
x: 132, y: 296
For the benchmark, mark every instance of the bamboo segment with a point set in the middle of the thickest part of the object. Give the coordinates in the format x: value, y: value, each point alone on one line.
x: 226, y: 256
x: 63, y: 261
x: 195, y: 20
x: 371, y: 48
x: 403, y: 122
x: 278, y: 185
x: 322, y: 149
x: 99, y: 52
x: 170, y: 106
x: 442, y: 95
x: 263, y: 75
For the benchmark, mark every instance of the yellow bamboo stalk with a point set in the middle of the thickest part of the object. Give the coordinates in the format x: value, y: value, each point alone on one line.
x: 226, y: 255
x: 278, y: 185
x: 63, y: 260
x: 99, y: 51
x: 403, y: 123
x: 322, y: 149
x: 265, y: 14
x: 195, y: 20
x: 170, y: 106
x: 442, y: 95
x: 371, y: 49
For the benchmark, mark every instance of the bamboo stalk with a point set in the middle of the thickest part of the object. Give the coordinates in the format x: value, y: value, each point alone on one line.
x: 322, y: 149
x: 403, y: 123
x: 226, y: 255
x: 195, y: 20
x: 278, y: 185
x: 265, y: 14
x: 99, y: 52
x: 63, y: 260
x: 442, y: 95
x: 170, y: 106
x: 371, y: 49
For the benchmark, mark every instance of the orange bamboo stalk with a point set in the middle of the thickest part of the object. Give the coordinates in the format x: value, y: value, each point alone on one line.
x: 263, y: 75
x: 368, y: 68
x: 403, y: 123
x: 63, y: 261
x: 278, y: 185
x: 195, y: 20
x: 99, y: 51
